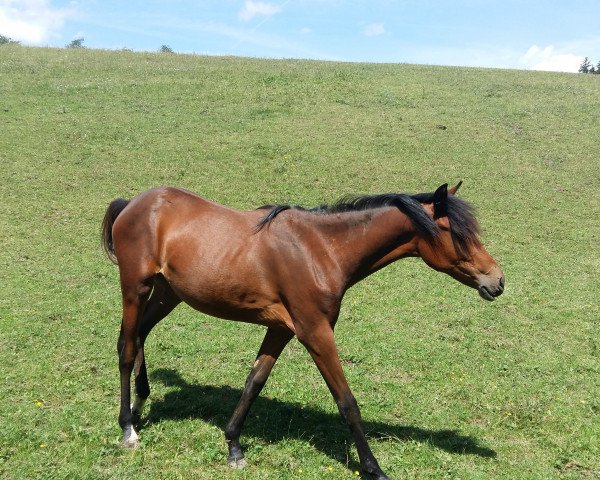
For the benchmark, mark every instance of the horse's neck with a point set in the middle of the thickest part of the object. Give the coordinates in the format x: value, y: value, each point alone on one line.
x: 366, y: 241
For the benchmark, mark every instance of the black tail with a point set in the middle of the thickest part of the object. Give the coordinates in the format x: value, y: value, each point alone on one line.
x: 112, y: 212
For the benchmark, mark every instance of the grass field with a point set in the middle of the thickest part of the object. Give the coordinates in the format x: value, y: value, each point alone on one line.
x: 450, y: 386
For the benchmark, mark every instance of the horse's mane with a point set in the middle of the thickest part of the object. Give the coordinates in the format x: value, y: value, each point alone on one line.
x: 464, y: 225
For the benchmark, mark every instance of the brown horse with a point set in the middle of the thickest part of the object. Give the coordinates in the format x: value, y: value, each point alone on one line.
x: 284, y: 267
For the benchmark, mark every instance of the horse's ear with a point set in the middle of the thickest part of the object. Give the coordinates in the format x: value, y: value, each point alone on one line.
x: 440, y: 201
x: 454, y: 189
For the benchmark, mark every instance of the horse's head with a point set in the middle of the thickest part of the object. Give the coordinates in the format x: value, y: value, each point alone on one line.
x: 456, y: 249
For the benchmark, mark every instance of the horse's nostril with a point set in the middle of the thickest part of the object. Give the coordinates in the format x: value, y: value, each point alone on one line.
x: 502, y: 282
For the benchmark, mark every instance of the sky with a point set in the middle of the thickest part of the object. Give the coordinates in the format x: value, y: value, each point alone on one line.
x: 550, y: 35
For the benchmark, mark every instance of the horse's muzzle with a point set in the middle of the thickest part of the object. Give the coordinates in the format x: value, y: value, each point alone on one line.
x: 490, y: 293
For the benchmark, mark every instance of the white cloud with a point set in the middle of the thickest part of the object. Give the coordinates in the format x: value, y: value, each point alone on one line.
x: 31, y: 21
x: 253, y: 9
x: 550, y: 59
x: 373, y: 29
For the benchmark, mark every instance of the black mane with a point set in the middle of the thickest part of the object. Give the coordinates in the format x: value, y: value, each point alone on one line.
x: 465, y: 229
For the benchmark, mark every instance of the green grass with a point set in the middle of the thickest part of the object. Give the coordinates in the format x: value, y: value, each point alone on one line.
x: 449, y: 386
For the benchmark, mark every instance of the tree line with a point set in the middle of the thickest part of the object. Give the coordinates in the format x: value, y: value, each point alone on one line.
x: 587, y: 67
x: 8, y: 41
x: 76, y: 43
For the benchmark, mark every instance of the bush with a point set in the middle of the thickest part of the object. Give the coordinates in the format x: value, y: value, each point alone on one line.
x: 4, y: 40
x: 76, y: 43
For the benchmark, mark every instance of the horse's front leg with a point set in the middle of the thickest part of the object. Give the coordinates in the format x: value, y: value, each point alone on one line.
x: 273, y: 344
x: 320, y: 343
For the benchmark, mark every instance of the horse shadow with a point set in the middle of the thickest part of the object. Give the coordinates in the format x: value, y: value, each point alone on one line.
x: 274, y: 420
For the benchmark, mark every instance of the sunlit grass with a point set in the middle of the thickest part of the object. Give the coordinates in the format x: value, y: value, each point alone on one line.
x: 449, y: 386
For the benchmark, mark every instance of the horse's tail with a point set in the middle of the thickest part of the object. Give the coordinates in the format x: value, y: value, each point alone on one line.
x: 112, y: 212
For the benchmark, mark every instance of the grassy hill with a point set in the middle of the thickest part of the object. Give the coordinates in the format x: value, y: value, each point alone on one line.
x: 450, y: 386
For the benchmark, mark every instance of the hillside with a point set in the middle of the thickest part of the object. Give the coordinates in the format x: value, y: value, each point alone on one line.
x: 449, y: 386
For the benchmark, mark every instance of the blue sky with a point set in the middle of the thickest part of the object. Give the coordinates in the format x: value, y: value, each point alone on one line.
x: 542, y: 35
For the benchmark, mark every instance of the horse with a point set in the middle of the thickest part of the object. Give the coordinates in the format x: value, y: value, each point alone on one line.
x: 284, y: 267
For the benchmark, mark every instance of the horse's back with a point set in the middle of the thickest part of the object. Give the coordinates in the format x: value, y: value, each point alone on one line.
x: 169, y: 217
x: 184, y: 201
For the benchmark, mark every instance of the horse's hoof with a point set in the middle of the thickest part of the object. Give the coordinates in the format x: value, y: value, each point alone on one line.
x: 238, y: 463
x: 376, y: 474
x: 381, y: 476
x: 130, y: 444
x: 130, y: 438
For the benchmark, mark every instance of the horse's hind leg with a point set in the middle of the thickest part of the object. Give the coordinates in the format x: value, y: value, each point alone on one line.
x: 273, y: 344
x: 135, y: 290
x: 161, y: 302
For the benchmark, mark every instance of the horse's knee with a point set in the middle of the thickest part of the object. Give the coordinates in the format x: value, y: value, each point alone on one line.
x: 127, y: 353
x: 126, y: 359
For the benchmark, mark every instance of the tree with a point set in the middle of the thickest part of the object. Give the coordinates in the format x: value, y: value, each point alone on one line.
x: 585, y: 66
x: 165, y: 49
x: 4, y: 40
x: 76, y: 43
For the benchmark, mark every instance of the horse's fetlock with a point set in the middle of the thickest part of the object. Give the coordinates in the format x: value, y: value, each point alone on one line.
x: 232, y: 433
x: 125, y: 420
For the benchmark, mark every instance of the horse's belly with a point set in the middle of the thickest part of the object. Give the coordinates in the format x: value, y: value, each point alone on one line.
x: 227, y: 297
